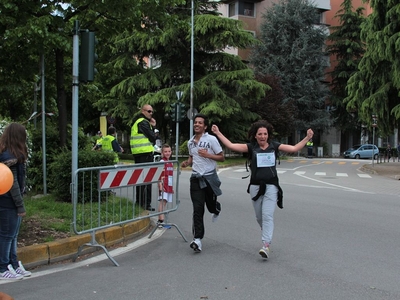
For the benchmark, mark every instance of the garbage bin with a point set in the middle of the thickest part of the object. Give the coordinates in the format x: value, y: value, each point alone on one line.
x: 320, y: 152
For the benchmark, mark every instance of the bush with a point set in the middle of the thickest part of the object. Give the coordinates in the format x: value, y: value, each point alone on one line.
x: 53, y: 150
x: 60, y: 171
x: 183, y: 148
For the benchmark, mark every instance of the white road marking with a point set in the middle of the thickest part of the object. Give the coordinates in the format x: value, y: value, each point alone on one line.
x: 299, y: 173
x: 342, y: 175
x: 364, y: 176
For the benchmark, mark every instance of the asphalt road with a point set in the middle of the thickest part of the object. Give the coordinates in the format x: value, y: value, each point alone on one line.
x: 336, y: 238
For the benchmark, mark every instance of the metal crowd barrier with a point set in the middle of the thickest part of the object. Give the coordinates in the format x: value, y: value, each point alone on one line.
x: 107, y: 196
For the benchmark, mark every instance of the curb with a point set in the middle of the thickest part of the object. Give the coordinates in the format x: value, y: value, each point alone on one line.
x: 56, y: 251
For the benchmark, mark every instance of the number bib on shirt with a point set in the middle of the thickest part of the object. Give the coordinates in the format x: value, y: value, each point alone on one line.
x: 265, y: 160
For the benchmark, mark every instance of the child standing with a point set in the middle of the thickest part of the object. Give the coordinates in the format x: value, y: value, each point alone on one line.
x: 165, y: 185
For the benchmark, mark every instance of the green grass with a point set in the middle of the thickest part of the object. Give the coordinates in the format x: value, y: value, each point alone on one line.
x: 46, y: 214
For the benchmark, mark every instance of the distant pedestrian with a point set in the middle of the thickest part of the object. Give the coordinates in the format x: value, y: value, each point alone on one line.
x: 97, y: 144
x: 13, y: 153
x: 110, y: 144
x: 398, y: 152
x: 388, y: 152
x: 310, y: 146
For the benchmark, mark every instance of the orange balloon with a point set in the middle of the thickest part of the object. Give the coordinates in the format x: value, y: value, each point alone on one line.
x: 6, y: 179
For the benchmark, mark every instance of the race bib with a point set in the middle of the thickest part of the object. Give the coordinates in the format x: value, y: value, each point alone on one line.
x: 265, y: 160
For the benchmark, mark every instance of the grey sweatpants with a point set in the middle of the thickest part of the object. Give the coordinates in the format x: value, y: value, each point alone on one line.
x: 264, y: 207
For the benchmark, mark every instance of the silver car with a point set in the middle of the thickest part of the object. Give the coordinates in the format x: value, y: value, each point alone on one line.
x: 362, y: 151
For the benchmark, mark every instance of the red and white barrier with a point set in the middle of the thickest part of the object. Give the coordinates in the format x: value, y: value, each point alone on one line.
x: 128, y: 177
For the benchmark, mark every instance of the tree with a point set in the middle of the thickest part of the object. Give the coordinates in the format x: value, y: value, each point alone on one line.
x: 273, y: 109
x: 29, y: 29
x: 224, y: 86
x: 375, y: 87
x: 291, y: 50
x: 347, y: 48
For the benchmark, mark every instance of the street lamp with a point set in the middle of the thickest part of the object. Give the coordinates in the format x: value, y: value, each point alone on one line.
x: 191, y: 70
x: 374, y: 124
x: 178, y: 113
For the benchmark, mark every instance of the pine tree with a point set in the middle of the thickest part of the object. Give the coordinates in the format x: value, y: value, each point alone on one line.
x: 224, y: 86
x: 375, y: 87
x: 291, y: 49
x: 347, y: 49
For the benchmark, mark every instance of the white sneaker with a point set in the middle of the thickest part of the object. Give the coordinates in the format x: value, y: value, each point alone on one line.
x: 264, y: 252
x: 21, y: 270
x: 196, y: 245
x: 214, y: 218
x: 10, y: 274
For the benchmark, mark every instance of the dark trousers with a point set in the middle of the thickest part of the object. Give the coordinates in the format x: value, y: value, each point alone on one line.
x: 310, y: 149
x: 143, y: 192
x: 9, y: 228
x: 199, y: 198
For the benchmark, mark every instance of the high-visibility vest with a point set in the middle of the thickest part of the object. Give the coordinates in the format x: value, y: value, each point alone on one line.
x: 106, y: 145
x: 99, y: 141
x: 310, y: 144
x: 139, y: 142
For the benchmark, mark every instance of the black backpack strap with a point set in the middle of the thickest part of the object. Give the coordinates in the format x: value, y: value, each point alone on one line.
x: 248, y: 161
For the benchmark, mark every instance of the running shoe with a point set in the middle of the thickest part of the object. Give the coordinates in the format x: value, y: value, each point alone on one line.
x: 196, y: 245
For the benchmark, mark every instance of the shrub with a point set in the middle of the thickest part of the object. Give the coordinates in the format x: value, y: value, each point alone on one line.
x: 183, y: 148
x: 53, y: 150
x: 60, y: 171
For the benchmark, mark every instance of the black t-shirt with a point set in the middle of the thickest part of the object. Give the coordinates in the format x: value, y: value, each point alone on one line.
x: 263, y: 163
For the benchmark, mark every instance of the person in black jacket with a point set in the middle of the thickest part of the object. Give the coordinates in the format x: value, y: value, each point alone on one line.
x: 264, y: 184
x: 142, y: 143
x: 13, y: 153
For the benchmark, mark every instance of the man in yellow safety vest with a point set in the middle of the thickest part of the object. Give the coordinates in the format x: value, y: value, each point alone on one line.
x: 310, y: 146
x: 109, y: 143
x: 142, y: 147
x: 97, y: 144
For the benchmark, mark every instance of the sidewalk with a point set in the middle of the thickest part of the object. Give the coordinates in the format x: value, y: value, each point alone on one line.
x: 387, y: 169
x: 65, y: 249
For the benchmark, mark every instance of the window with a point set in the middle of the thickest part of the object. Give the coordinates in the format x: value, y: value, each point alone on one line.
x: 252, y: 32
x: 153, y: 63
x: 242, y: 8
x: 232, y: 9
x: 246, y: 8
x: 320, y: 17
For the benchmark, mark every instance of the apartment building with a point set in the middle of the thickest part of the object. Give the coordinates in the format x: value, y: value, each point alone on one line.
x: 250, y: 13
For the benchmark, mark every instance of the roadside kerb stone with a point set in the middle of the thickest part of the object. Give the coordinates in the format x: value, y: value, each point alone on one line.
x: 55, y: 251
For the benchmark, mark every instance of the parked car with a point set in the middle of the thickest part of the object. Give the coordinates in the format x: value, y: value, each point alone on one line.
x: 362, y: 151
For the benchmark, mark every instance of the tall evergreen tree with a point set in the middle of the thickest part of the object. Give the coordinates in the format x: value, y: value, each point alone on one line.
x: 375, y: 87
x: 224, y: 86
x: 291, y: 49
x: 347, y: 49
x: 273, y: 109
x: 31, y: 28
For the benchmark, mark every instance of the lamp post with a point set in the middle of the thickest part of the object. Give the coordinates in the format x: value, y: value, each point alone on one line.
x: 191, y: 70
x: 178, y: 113
x: 374, y: 124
